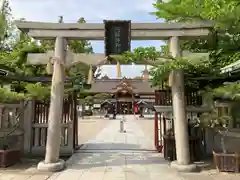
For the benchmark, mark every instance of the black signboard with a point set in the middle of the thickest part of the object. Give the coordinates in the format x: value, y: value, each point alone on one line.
x: 117, y: 37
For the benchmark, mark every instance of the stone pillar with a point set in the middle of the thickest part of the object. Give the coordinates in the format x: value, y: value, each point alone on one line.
x: 179, y: 112
x: 52, y: 162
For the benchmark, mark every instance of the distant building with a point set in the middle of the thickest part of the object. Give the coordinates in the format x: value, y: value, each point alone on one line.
x: 126, y: 92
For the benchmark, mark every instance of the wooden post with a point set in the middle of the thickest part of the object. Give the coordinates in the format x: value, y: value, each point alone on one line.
x: 27, y: 124
x: 156, y: 129
x: 52, y: 162
x: 21, y: 124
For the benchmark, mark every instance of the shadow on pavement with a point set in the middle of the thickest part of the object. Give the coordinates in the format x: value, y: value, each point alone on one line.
x: 112, y: 146
x: 93, y: 160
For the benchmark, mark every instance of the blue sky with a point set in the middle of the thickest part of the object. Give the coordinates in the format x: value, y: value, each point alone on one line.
x: 92, y: 11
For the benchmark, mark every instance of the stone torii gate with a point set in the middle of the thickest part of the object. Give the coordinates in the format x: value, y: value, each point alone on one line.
x: 61, y: 32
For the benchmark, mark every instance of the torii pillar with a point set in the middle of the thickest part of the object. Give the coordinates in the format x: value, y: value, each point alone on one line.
x: 179, y: 113
x: 52, y: 162
x: 61, y: 59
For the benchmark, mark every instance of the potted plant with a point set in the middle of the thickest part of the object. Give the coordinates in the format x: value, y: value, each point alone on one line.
x: 221, y: 124
x: 224, y: 160
x: 9, y: 154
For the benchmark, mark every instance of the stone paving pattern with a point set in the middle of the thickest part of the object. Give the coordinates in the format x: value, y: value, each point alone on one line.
x: 147, y: 126
x: 89, y: 128
x: 122, y: 156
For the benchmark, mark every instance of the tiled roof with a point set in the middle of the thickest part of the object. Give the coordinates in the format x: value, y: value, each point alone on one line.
x: 110, y: 85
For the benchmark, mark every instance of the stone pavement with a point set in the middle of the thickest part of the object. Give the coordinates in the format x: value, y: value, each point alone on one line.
x: 122, y: 156
x: 86, y: 130
x: 114, y: 155
x: 147, y: 126
x: 125, y: 156
x: 111, y: 139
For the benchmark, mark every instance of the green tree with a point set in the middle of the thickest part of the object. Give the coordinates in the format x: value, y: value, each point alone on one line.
x: 223, y: 47
x: 14, y: 48
x: 15, y: 59
x: 5, y: 25
x: 225, y: 13
x: 163, y: 63
x: 75, y: 46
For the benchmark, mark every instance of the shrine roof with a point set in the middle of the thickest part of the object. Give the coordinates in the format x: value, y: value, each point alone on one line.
x: 110, y: 85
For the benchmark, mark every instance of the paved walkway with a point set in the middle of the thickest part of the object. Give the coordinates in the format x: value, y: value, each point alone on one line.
x: 86, y: 130
x: 125, y: 156
x: 111, y: 139
x: 114, y: 155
